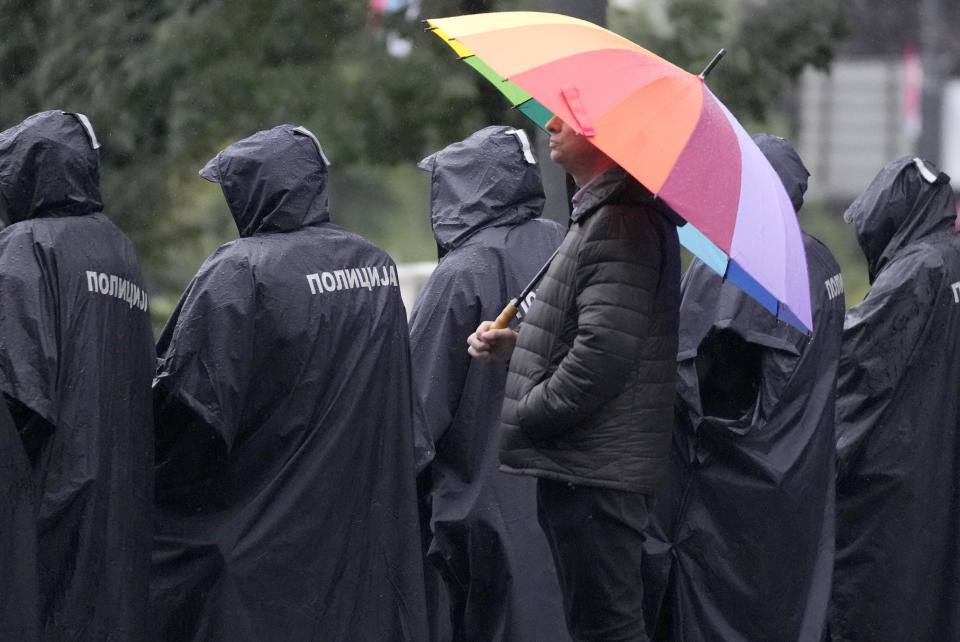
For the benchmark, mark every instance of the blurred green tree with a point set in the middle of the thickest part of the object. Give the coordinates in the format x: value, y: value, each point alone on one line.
x: 768, y: 44
x: 168, y: 83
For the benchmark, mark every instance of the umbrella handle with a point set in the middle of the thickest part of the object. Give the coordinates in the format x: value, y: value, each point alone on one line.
x: 509, y: 311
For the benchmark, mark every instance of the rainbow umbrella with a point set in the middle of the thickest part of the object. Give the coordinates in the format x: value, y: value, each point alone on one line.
x: 661, y: 124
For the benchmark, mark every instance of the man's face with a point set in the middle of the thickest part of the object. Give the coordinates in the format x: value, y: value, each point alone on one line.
x: 565, y: 145
x: 573, y: 152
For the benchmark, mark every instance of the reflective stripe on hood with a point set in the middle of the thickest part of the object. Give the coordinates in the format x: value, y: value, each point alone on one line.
x: 901, y: 205
x: 273, y: 181
x: 50, y: 166
x: 484, y: 180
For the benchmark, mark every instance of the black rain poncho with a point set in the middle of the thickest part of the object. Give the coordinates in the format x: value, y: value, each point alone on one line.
x: 76, y: 356
x: 740, y: 544
x: 486, y: 197
x: 19, y: 598
x: 285, y: 477
x: 898, y: 417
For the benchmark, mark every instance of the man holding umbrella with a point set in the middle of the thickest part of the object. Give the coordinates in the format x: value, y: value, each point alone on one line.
x: 588, y: 407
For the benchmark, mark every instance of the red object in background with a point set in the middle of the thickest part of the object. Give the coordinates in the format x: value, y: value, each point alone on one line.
x: 912, y: 88
x: 381, y: 6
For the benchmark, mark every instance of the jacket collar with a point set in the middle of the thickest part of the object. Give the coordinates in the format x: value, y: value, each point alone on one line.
x: 599, y: 190
x: 616, y: 184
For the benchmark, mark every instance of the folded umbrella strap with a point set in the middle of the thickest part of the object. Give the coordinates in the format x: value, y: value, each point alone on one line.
x: 572, y: 95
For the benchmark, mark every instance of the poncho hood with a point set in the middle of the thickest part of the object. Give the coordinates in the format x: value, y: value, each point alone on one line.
x: 909, y: 199
x: 788, y: 165
x: 489, y: 178
x: 273, y: 181
x: 50, y: 166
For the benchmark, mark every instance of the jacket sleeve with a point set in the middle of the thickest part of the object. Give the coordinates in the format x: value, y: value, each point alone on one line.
x: 446, y: 311
x: 617, y: 277
x: 880, y: 336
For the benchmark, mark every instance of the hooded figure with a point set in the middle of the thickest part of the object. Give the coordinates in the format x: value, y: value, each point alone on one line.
x: 76, y: 355
x: 498, y: 578
x: 898, y: 417
x: 285, y: 475
x: 740, y: 545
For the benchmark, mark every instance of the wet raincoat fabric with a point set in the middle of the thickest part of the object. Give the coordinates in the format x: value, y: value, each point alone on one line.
x: 897, y: 571
x: 486, y: 200
x: 19, y: 598
x: 740, y: 544
x: 285, y: 473
x: 76, y: 357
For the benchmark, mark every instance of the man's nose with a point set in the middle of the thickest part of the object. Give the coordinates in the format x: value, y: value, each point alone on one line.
x: 553, y: 125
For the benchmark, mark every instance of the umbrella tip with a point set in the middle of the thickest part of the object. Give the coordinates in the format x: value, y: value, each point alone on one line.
x: 713, y: 63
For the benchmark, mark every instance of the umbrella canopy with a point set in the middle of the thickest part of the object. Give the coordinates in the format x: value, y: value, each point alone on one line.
x: 664, y: 126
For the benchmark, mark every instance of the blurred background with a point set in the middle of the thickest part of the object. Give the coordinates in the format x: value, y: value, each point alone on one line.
x: 167, y: 84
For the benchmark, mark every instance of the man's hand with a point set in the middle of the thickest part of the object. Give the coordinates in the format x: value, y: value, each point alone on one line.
x: 488, y: 344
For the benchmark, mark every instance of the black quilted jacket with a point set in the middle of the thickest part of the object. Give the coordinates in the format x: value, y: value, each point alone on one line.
x: 589, y: 396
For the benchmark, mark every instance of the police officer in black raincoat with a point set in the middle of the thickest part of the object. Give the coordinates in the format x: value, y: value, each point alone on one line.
x: 285, y: 473
x: 897, y: 571
x: 76, y: 356
x: 740, y: 545
x: 497, y: 573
